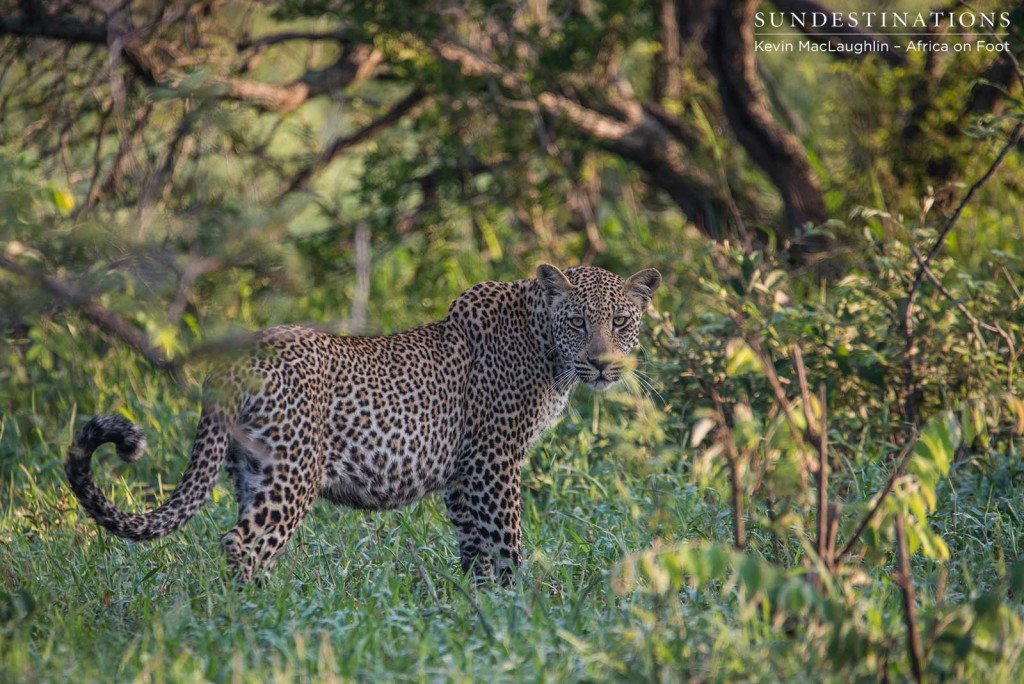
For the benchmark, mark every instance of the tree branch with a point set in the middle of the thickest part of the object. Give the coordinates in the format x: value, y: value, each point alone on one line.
x: 732, y: 456
x: 638, y: 137
x: 730, y: 49
x: 909, y: 371
x: 192, y: 271
x: 840, y: 35
x: 905, y: 581
x: 69, y: 30
x: 356, y: 63
x: 880, y: 498
x: 249, y: 43
x: 668, y: 82
x: 975, y: 322
x: 101, y: 317
x: 403, y: 107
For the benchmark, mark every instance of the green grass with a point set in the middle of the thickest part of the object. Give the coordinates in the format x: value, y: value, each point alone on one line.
x: 379, y: 596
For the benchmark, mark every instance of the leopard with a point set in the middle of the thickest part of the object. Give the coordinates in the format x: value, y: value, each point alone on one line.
x: 379, y: 422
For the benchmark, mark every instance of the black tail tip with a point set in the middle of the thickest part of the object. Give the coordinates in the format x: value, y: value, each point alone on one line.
x: 125, y: 435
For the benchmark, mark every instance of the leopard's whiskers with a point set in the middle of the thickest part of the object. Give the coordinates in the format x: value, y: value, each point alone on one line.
x: 648, y: 385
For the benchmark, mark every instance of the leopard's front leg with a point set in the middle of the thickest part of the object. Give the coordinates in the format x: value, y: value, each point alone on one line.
x: 484, y: 505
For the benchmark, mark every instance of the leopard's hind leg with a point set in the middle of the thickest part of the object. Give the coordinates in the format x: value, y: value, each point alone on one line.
x: 276, y: 490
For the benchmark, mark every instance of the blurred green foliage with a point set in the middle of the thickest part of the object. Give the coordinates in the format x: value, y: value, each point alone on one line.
x: 628, y: 504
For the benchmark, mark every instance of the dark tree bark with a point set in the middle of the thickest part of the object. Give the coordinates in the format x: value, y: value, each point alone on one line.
x: 694, y: 16
x: 703, y: 41
x: 668, y: 68
x: 148, y: 58
x: 988, y: 95
x: 729, y: 45
x: 840, y: 35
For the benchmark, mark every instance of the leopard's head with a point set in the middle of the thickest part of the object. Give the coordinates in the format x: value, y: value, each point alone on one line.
x: 595, y: 319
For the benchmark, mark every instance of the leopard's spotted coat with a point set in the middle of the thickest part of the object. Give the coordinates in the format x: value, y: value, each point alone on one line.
x: 380, y: 422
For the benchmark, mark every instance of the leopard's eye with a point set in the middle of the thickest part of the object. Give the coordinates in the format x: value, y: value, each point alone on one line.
x: 578, y: 322
x: 620, y: 321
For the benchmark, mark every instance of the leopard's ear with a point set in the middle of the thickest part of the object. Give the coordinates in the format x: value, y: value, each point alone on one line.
x: 553, y: 282
x: 640, y: 287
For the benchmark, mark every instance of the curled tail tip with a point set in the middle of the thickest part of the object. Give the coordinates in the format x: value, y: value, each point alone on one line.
x: 125, y: 435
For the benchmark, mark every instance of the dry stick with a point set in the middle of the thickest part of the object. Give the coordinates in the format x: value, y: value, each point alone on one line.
x: 906, y: 584
x: 187, y: 278
x: 816, y: 435
x: 904, y: 460
x: 821, y: 445
x: 824, y: 550
x: 734, y: 472
x: 833, y: 530
x: 909, y: 373
x: 780, y: 394
x: 809, y: 435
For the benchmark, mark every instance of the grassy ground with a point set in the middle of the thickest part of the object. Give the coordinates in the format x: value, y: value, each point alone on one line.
x: 378, y: 597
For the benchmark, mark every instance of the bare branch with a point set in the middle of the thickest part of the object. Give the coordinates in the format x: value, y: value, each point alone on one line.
x: 880, y: 498
x: 103, y: 318
x: 189, y: 274
x: 971, y: 318
x: 668, y: 82
x: 817, y: 434
x: 729, y: 443
x: 909, y: 372
x: 356, y: 63
x: 71, y: 30
x: 905, y: 581
x: 403, y: 107
x: 340, y: 36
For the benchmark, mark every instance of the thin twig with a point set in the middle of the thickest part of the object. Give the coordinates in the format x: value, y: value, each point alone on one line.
x: 906, y: 583
x: 881, y: 496
x: 815, y: 434
x: 192, y: 271
x: 823, y: 507
x: 248, y: 43
x: 974, y: 320
x: 407, y: 105
x: 780, y: 394
x: 909, y: 372
x: 726, y: 435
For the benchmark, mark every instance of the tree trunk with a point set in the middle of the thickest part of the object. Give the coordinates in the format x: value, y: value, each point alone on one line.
x: 729, y: 45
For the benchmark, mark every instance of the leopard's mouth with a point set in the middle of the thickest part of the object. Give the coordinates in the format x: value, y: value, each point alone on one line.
x: 598, y: 378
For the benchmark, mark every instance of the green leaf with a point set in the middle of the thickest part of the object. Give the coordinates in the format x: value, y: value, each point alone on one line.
x: 61, y: 198
x: 751, y: 575
x: 740, y: 358
x: 938, y: 441
x: 795, y: 595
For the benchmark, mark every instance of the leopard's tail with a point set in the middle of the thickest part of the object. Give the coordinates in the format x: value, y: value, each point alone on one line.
x: 208, y: 452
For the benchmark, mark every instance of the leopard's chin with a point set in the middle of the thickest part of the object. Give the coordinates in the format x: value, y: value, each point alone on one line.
x: 601, y: 383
